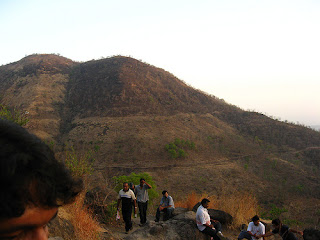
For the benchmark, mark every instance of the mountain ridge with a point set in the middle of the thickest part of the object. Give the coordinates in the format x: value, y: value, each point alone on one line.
x: 130, y: 111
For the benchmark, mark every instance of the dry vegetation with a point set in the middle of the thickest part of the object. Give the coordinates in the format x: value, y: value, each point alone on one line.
x: 130, y: 110
x: 85, y: 225
x: 242, y: 206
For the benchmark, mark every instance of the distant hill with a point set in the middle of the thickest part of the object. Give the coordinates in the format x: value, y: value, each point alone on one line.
x: 130, y: 111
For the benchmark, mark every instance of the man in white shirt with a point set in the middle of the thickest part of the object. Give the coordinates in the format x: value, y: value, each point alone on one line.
x: 255, y: 229
x: 204, y: 221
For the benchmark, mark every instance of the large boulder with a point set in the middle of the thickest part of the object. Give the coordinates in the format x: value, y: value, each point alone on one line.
x: 311, y: 234
x: 181, y: 226
x: 221, y: 216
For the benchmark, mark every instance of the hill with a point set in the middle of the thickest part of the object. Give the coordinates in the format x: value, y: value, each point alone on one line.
x: 129, y: 111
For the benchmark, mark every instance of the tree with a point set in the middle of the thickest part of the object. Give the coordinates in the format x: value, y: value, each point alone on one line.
x: 135, y: 179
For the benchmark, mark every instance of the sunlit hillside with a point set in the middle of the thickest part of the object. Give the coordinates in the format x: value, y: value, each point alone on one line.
x: 139, y: 118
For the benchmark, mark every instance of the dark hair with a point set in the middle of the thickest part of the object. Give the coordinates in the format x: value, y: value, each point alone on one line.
x: 131, y: 185
x: 204, y: 201
x: 30, y: 174
x: 164, y: 192
x: 255, y: 218
x: 142, y: 179
x: 276, y: 222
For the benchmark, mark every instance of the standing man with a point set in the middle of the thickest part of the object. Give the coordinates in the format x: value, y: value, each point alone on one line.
x: 255, y: 230
x: 141, y: 191
x: 166, y: 205
x: 204, y: 223
x: 126, y: 195
x: 33, y: 184
x: 283, y: 230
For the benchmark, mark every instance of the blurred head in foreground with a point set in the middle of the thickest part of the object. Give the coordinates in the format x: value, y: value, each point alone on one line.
x: 33, y: 184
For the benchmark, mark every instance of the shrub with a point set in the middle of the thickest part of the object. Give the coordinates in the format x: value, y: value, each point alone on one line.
x: 177, y: 149
x: 13, y: 115
x: 79, y: 165
x: 274, y: 212
x: 242, y: 206
x: 135, y: 179
x: 191, y: 200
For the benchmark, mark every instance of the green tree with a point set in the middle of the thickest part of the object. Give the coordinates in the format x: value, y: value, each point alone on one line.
x: 135, y: 179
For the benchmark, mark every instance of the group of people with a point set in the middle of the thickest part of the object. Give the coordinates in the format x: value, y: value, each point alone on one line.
x: 131, y: 196
x: 256, y: 230
x: 34, y: 184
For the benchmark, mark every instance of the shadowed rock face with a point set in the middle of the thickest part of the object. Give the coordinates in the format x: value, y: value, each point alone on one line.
x: 311, y: 234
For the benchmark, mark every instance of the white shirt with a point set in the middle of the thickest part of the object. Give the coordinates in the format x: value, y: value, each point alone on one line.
x: 202, y: 216
x: 127, y: 194
x: 259, y: 230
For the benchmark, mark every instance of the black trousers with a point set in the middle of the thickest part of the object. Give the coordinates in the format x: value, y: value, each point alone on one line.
x: 143, y: 211
x: 126, y: 214
x: 213, y: 232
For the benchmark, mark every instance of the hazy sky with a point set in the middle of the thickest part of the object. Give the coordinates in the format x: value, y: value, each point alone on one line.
x: 261, y: 55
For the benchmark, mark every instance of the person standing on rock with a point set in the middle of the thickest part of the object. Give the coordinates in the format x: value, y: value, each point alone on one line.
x: 166, y: 206
x: 284, y: 231
x: 255, y: 230
x: 141, y: 191
x: 125, y: 196
x: 204, y: 222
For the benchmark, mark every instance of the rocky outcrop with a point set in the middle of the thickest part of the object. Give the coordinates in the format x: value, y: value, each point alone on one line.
x: 311, y: 234
x: 221, y: 216
x: 181, y: 226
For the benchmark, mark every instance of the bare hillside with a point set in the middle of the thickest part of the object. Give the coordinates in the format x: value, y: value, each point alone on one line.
x: 130, y: 111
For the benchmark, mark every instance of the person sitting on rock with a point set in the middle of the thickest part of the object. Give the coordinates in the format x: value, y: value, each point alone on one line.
x: 284, y: 231
x: 33, y: 184
x: 205, y: 223
x: 255, y: 230
x: 166, y: 206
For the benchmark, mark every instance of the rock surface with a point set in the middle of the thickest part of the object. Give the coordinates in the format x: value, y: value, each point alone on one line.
x: 221, y: 216
x: 311, y: 234
x: 181, y: 226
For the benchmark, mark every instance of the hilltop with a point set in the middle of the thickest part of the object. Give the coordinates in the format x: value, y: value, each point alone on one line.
x: 130, y: 111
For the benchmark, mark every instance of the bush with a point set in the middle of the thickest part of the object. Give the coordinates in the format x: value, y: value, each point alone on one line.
x: 79, y: 166
x: 135, y: 179
x: 177, y: 149
x: 13, y: 115
x: 274, y: 212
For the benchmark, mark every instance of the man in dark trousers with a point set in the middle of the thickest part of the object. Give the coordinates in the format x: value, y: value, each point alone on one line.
x: 126, y: 195
x: 33, y: 184
x: 206, y: 224
x: 166, y: 205
x: 141, y: 191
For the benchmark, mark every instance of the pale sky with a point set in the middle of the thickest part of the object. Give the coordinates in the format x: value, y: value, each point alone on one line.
x: 261, y: 55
